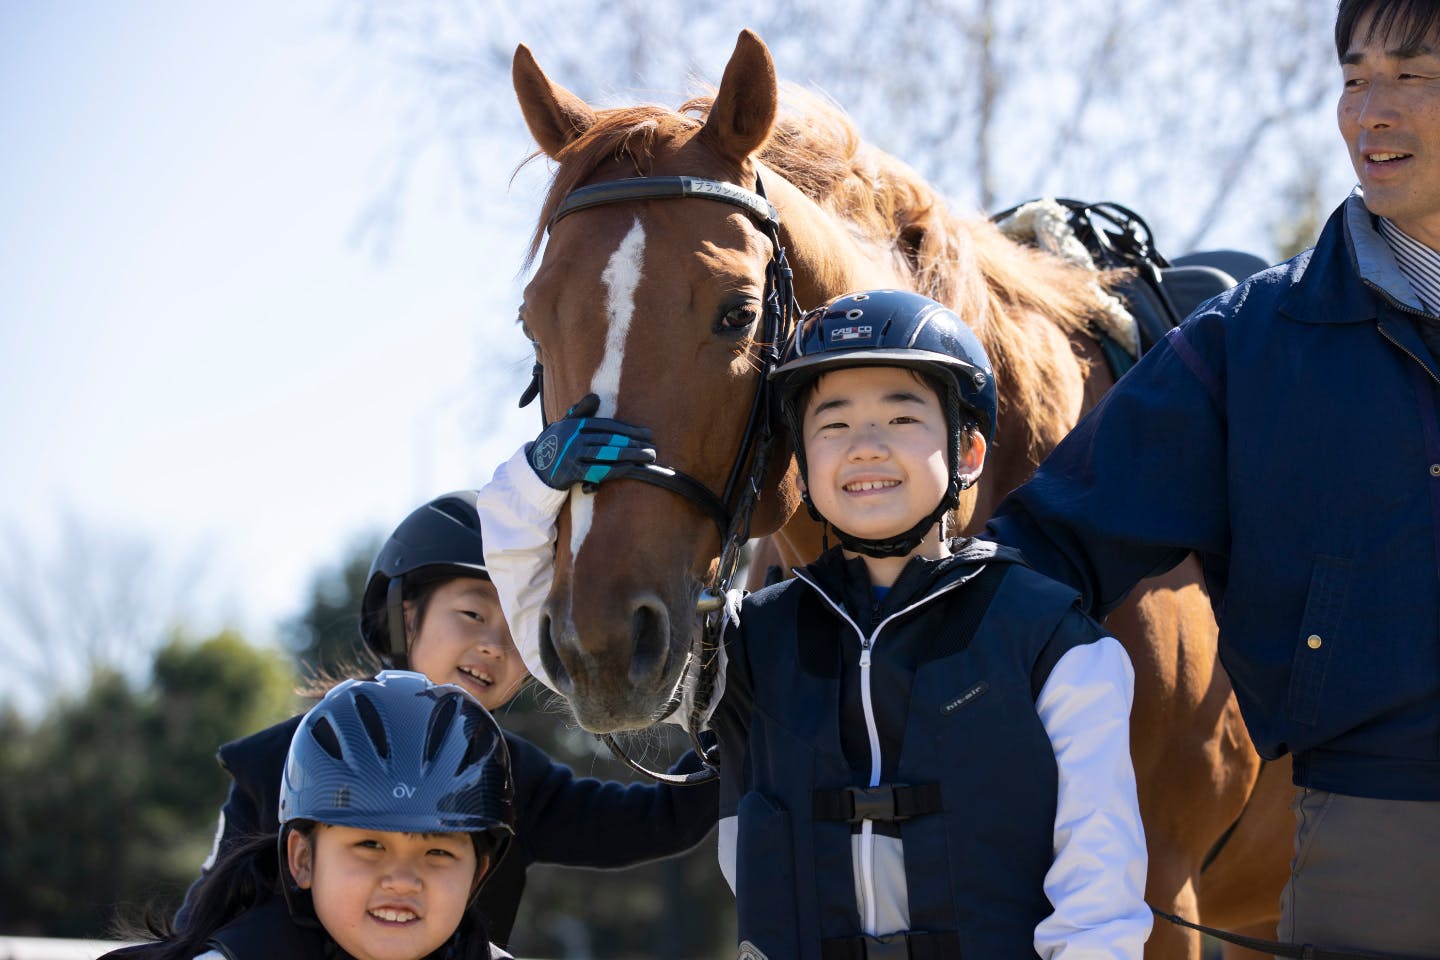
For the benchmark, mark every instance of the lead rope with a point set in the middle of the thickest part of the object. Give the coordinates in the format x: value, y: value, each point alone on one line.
x: 1276, y: 948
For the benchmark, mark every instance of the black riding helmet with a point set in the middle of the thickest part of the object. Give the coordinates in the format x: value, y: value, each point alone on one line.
x: 437, y: 541
x: 398, y: 753
x: 892, y: 328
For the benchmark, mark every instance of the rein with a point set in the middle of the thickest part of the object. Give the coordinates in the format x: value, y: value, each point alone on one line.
x: 742, y: 486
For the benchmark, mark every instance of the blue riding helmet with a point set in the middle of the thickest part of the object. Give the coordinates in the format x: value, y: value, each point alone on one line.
x: 438, y: 540
x: 402, y: 754
x: 892, y: 328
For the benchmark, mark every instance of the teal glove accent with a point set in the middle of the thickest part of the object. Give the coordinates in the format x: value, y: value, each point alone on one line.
x: 585, y: 449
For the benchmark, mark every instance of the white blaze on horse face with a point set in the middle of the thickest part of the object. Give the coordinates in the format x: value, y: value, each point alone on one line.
x: 621, y: 278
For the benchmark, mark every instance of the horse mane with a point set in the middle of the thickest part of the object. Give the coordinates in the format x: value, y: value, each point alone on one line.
x: 994, y: 284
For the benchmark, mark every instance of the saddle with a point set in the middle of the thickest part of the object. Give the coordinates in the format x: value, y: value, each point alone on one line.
x: 1157, y: 294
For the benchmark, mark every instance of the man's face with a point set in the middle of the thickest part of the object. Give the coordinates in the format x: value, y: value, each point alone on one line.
x: 1389, y: 114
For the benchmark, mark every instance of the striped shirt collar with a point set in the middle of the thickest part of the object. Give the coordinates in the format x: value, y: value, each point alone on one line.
x: 1419, y: 263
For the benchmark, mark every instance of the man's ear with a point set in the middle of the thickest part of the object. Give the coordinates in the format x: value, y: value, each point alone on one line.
x: 300, y: 852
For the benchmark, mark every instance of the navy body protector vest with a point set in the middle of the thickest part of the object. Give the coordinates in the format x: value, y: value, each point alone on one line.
x: 268, y: 933
x: 973, y: 795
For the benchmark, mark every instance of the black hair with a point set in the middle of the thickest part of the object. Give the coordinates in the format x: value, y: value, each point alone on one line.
x: 248, y: 875
x: 245, y: 876
x: 1416, y: 23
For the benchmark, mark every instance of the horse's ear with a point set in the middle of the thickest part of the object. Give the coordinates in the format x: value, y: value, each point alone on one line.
x: 555, y: 116
x: 744, y: 111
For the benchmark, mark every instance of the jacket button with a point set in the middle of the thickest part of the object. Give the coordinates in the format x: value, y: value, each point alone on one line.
x: 1313, y: 641
x: 1435, y: 469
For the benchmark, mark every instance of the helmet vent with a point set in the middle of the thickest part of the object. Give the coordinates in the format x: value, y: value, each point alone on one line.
x: 374, y: 726
x: 324, y: 735
x: 458, y: 510
x: 476, y: 749
x: 439, y: 727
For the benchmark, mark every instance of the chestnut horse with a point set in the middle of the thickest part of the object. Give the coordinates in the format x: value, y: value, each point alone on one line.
x: 653, y: 306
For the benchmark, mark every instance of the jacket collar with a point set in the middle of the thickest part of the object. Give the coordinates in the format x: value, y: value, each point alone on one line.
x: 847, y: 581
x: 1339, y: 278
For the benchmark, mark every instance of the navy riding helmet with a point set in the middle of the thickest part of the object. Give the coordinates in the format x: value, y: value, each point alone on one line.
x: 438, y: 540
x: 401, y: 754
x: 892, y: 328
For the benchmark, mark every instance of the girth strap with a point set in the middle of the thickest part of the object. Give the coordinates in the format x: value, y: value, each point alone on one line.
x: 911, y: 945
x: 889, y: 801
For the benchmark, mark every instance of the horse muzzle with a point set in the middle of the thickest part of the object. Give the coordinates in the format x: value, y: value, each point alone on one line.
x: 618, y: 667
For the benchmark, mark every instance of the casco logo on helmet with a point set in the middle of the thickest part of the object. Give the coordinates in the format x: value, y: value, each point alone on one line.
x: 545, y: 453
x: 862, y: 332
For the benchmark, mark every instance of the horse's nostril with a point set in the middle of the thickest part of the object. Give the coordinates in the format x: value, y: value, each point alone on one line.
x: 650, y: 631
x: 550, y: 659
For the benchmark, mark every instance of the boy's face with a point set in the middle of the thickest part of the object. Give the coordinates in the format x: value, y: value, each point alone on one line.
x: 463, y: 639
x: 875, y: 450
x: 384, y: 895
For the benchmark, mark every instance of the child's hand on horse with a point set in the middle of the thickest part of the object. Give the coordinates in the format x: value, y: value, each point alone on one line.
x: 585, y: 449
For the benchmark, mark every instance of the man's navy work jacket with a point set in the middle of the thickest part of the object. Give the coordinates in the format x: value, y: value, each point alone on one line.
x: 1288, y: 434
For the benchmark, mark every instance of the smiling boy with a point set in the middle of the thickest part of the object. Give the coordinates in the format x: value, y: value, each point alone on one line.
x: 926, y: 745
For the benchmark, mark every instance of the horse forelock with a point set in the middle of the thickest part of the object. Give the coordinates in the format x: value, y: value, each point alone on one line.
x: 625, y: 133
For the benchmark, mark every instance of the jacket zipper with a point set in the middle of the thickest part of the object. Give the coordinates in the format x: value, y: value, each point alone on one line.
x: 867, y: 646
x: 1402, y: 308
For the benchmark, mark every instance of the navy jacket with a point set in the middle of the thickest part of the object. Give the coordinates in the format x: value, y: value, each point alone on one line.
x: 559, y: 818
x: 1288, y: 434
x: 267, y: 932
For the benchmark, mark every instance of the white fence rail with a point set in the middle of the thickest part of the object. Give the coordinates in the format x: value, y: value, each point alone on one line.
x: 44, y: 948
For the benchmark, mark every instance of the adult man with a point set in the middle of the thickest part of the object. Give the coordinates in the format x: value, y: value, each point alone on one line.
x: 1289, y: 434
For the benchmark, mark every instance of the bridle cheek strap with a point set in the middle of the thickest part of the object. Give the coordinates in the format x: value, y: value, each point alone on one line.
x: 730, y: 511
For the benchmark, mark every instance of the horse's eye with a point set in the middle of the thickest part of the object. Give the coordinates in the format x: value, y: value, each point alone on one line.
x: 739, y: 318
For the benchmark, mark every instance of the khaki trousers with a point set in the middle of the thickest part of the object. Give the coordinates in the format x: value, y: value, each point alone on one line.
x: 1365, y: 876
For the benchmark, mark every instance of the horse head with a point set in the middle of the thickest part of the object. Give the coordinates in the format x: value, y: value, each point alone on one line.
x: 655, y: 306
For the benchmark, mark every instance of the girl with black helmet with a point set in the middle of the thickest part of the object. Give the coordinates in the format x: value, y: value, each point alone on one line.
x: 429, y: 605
x: 395, y: 806
x: 924, y: 743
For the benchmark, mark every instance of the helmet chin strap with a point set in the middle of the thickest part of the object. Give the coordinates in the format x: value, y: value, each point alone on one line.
x: 297, y: 901
x: 395, y: 622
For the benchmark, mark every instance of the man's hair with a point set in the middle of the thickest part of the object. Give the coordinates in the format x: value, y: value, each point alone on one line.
x: 1416, y: 23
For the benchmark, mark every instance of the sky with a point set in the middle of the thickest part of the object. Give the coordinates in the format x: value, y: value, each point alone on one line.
x: 202, y: 350
x: 196, y: 351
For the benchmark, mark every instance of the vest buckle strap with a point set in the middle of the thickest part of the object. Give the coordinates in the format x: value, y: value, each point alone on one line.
x: 906, y: 945
x: 890, y: 802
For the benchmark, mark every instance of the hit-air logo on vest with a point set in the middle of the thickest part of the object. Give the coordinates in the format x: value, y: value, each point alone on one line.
x: 748, y: 951
x: 859, y: 332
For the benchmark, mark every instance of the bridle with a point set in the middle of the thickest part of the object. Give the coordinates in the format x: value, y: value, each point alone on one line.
x: 732, y: 509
